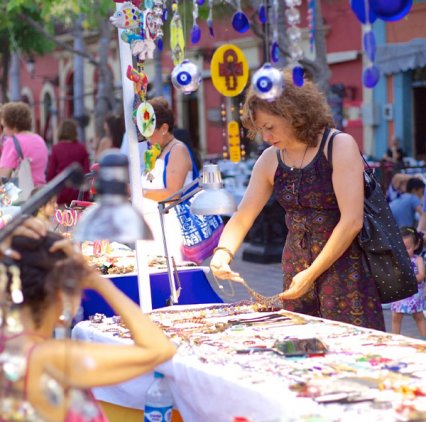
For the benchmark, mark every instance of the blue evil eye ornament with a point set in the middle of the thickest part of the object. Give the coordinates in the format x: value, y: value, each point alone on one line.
x: 261, y: 13
x: 186, y: 77
x: 391, y: 10
x: 240, y: 22
x: 371, y: 76
x: 358, y: 7
x: 298, y: 73
x: 195, y: 34
x: 268, y: 82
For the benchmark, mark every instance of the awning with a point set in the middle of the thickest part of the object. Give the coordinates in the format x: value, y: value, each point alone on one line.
x: 400, y: 57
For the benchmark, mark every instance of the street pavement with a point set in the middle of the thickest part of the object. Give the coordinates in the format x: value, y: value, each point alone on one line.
x: 266, y: 279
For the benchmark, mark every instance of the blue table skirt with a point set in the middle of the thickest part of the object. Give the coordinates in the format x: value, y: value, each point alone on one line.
x: 195, y: 289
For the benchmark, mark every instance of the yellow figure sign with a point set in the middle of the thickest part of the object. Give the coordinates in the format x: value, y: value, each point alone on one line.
x: 234, y: 141
x: 229, y: 70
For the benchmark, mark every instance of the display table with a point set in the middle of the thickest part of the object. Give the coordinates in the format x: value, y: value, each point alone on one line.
x: 195, y: 289
x: 220, y: 370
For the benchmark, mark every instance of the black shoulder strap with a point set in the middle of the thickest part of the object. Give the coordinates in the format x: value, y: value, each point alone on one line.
x: 330, y: 147
x: 18, y: 147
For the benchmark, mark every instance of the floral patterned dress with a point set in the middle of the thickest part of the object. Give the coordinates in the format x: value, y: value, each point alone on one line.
x: 415, y: 303
x: 344, y: 292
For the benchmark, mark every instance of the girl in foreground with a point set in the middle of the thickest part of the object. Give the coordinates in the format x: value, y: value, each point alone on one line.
x: 53, y: 276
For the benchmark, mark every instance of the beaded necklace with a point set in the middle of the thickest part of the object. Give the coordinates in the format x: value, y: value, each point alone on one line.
x: 151, y: 155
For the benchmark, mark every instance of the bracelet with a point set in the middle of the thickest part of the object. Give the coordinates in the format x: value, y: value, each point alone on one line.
x: 225, y: 249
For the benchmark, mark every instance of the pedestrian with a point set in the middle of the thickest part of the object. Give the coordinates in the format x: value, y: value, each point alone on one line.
x: 414, y: 304
x: 168, y: 171
x: 319, y: 184
x: 114, y: 129
x: 408, y: 206
x: 67, y: 151
x: 17, y: 122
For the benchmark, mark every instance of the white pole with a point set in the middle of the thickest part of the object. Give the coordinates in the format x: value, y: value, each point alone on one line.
x: 135, y: 176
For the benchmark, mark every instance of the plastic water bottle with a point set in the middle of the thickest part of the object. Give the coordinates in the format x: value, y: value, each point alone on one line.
x: 158, y: 401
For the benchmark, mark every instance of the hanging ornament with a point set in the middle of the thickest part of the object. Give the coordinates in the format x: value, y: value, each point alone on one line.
x: 363, y: 9
x: 177, y: 39
x: 371, y: 76
x: 275, y: 48
x: 390, y: 10
x: 262, y: 13
x: 240, y: 21
x: 229, y: 70
x: 150, y: 157
x: 311, y: 25
x: 140, y: 81
x: 186, y: 77
x: 268, y: 82
x: 359, y: 8
x: 210, y: 19
x: 128, y: 17
x: 145, y: 119
x: 196, y: 30
x: 234, y: 141
x: 294, y: 35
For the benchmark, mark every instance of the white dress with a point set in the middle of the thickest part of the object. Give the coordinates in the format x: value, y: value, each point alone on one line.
x: 152, y: 216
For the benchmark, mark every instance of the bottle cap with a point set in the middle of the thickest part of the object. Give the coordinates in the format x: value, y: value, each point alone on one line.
x: 158, y: 374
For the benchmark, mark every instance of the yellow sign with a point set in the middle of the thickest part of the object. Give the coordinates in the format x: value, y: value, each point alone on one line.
x: 229, y: 70
x: 234, y: 141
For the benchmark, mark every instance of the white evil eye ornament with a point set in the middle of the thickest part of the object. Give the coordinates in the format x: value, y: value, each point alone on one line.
x: 186, y: 77
x: 268, y: 82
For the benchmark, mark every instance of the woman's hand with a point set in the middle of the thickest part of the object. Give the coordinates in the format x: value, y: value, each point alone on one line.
x: 33, y: 227
x: 302, y: 282
x: 221, y: 269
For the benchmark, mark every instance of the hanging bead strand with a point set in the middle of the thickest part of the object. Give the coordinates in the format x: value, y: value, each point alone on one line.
x: 295, y: 39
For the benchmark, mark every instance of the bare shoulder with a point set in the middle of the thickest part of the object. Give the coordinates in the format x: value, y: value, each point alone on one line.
x: 344, y: 150
x: 267, y: 163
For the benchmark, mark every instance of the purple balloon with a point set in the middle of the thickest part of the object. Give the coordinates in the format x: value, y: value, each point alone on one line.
x: 391, y: 10
x: 371, y: 76
x: 358, y: 7
x: 369, y: 41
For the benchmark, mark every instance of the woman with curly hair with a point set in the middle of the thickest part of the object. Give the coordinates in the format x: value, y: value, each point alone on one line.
x: 319, y: 183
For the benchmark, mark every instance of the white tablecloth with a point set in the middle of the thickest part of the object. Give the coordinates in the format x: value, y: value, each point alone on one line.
x: 209, y: 390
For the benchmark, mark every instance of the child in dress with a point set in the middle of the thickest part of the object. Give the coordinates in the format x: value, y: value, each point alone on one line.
x: 414, y: 304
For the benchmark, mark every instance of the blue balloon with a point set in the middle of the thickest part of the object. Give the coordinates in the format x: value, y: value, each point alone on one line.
x: 391, y: 10
x: 369, y: 41
x: 240, y: 22
x: 371, y: 76
x: 358, y: 7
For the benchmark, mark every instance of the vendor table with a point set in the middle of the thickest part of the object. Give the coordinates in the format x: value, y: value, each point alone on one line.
x: 195, y: 289
x: 222, y: 368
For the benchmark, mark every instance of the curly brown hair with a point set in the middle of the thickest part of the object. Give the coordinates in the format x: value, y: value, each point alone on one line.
x: 17, y: 116
x: 67, y: 130
x: 305, y: 108
x: 163, y: 113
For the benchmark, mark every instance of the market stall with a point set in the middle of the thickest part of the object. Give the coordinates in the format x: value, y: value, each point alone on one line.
x: 235, y: 361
